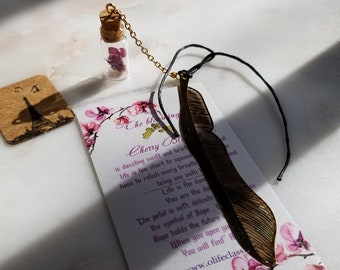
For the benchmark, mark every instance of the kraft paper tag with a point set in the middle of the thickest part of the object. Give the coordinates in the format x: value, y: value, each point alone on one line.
x: 31, y: 107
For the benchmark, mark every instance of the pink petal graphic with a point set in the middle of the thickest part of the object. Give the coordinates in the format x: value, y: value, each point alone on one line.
x: 279, y: 253
x: 122, y: 120
x: 239, y: 263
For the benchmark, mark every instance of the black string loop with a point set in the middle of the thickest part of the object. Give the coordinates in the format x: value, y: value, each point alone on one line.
x: 206, y: 60
x: 166, y: 74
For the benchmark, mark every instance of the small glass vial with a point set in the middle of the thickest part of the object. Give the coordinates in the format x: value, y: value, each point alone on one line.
x: 114, y: 46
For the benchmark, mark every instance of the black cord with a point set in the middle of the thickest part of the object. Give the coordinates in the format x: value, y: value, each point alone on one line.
x: 207, y: 59
x: 166, y: 74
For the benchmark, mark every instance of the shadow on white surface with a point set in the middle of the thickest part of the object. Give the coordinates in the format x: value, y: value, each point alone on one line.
x: 310, y: 98
x: 310, y: 93
x: 11, y: 8
x: 74, y: 246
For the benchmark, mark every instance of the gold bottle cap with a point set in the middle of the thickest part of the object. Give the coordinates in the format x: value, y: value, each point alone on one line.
x: 111, y: 29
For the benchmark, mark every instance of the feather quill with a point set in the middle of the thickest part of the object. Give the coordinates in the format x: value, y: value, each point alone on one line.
x: 250, y: 219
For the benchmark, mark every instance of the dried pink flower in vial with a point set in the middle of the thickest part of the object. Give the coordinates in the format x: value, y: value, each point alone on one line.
x: 116, y: 59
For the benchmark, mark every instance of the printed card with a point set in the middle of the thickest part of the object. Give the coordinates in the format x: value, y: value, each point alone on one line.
x: 164, y: 212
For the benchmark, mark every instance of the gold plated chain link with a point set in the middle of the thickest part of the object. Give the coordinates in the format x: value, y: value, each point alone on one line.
x: 111, y: 9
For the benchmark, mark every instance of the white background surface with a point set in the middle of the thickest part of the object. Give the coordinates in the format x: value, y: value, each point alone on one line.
x: 52, y: 213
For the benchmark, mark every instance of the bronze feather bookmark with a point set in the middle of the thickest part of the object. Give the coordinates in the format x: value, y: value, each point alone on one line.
x: 249, y: 217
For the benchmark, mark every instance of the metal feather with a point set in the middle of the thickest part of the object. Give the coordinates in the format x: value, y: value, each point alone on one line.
x: 250, y: 219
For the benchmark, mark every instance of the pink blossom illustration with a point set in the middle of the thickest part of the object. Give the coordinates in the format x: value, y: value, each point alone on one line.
x: 89, y: 133
x: 90, y: 142
x: 295, y: 244
x: 141, y: 107
x: 89, y: 129
x: 246, y: 263
x: 295, y: 241
x: 122, y: 120
x: 101, y: 114
x: 116, y: 59
x: 280, y: 254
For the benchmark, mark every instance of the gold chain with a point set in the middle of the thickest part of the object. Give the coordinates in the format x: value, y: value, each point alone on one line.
x: 110, y: 8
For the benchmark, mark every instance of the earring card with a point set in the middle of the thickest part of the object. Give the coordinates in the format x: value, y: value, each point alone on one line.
x: 30, y: 108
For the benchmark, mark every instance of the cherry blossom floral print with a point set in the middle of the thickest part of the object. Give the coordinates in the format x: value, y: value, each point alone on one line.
x: 122, y: 120
x: 90, y: 142
x: 293, y: 246
x: 141, y: 107
x: 295, y: 241
x: 246, y: 263
x: 280, y: 254
x: 100, y: 113
x: 89, y: 129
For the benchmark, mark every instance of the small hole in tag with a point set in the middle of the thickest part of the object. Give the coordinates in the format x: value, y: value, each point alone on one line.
x: 30, y: 108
